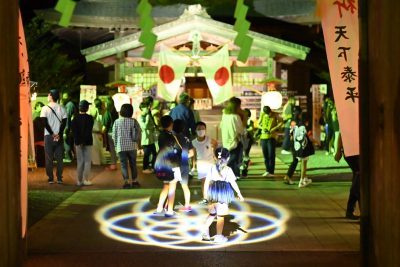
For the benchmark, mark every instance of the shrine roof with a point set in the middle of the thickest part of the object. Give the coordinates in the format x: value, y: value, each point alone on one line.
x: 178, y: 31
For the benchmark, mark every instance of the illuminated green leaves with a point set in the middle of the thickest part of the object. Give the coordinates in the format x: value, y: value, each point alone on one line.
x: 147, y: 37
x: 242, y: 26
x: 66, y: 8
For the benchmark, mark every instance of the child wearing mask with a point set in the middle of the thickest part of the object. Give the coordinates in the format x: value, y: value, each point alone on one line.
x: 204, y: 154
x: 218, y: 188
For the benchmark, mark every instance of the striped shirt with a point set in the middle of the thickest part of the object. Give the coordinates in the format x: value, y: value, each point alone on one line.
x: 126, y: 134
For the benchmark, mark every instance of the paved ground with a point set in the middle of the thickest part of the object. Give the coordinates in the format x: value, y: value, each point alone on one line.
x: 277, y: 225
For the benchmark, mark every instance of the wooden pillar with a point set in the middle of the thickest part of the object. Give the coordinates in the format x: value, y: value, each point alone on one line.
x: 119, y: 67
x: 271, y: 65
x: 380, y: 132
x: 10, y: 219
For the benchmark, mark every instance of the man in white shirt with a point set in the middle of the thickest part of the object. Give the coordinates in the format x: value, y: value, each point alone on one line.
x: 54, y: 118
x: 231, y: 131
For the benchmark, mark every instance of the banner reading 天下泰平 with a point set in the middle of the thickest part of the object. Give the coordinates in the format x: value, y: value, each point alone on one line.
x: 25, y: 120
x: 339, y: 20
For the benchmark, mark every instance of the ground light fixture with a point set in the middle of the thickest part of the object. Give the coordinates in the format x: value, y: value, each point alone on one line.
x: 133, y: 221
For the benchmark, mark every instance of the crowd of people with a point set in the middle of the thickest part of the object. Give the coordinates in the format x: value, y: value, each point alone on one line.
x: 175, y: 144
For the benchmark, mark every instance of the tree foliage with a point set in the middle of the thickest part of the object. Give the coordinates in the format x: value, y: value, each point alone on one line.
x: 49, y: 63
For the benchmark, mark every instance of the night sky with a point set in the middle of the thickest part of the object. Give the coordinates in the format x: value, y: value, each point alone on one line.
x: 28, y: 6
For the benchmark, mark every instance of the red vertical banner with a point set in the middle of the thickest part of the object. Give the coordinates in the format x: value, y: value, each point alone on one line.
x: 24, y: 106
x: 339, y: 20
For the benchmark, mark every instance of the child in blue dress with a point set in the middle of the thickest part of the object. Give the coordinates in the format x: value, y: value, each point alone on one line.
x: 219, y: 188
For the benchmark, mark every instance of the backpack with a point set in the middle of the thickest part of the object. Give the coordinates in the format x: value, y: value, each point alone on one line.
x: 302, y: 144
x: 166, y: 159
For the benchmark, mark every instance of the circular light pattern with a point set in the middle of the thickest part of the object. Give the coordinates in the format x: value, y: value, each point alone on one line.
x: 133, y: 221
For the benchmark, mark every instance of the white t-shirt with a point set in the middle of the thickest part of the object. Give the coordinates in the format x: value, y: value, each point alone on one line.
x: 204, y: 150
x: 226, y: 174
x: 204, y: 156
x: 53, y: 119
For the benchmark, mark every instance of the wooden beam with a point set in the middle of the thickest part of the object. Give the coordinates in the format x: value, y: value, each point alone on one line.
x: 137, y: 53
x: 235, y: 69
x: 11, y: 253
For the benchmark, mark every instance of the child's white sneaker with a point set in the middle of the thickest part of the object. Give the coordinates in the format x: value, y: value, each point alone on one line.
x: 304, y: 182
x: 219, y: 239
x: 205, y: 237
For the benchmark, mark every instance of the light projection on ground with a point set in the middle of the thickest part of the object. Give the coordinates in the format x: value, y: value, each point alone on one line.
x: 133, y: 221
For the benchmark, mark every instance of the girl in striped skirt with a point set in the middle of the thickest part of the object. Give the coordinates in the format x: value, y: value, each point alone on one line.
x: 218, y: 190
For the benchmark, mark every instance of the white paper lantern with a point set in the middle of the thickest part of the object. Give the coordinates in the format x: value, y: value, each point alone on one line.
x: 273, y: 99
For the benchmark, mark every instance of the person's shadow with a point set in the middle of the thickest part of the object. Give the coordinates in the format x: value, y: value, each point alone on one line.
x: 230, y: 227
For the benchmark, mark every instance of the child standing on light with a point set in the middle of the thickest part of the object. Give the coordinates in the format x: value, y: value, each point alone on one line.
x: 218, y: 189
x: 204, y: 151
x: 171, y: 151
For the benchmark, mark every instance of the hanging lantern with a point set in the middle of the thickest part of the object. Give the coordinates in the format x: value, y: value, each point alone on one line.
x: 121, y: 97
x: 272, y: 97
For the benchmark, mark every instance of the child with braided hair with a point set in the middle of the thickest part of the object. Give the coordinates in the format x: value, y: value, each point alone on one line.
x: 218, y: 190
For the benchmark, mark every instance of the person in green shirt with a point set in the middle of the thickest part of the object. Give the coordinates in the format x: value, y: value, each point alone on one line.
x: 268, y: 125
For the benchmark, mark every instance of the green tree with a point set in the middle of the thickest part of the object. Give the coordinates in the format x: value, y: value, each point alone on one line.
x: 49, y: 63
